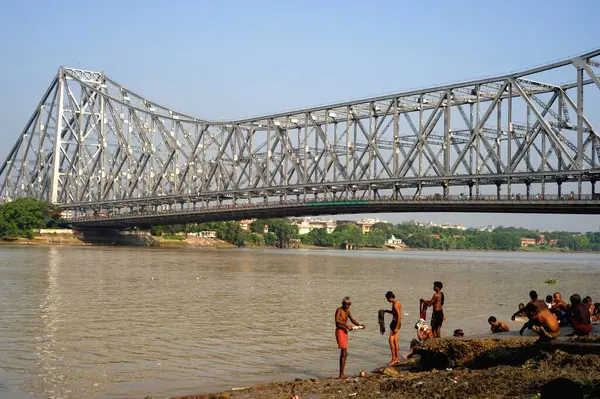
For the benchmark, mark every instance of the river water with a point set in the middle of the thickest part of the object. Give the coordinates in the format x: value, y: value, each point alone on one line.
x: 128, y: 322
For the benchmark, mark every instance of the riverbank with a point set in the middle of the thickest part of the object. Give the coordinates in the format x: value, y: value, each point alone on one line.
x: 453, y: 368
x: 133, y: 240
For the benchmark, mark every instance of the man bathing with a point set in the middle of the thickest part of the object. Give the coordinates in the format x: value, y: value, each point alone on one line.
x: 394, y: 326
x: 497, y: 326
x: 342, y: 314
x: 579, y: 316
x: 423, y: 334
x: 437, y: 302
x: 543, y: 322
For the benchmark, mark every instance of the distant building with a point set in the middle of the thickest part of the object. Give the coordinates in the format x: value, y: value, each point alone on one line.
x: 553, y: 242
x: 434, y: 236
x: 366, y: 224
x: 525, y: 242
x: 393, y: 241
x: 542, y: 239
x: 245, y: 224
x: 306, y: 225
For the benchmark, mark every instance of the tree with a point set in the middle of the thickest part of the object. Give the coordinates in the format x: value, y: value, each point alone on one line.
x: 375, y: 238
x: 21, y: 217
x: 318, y: 237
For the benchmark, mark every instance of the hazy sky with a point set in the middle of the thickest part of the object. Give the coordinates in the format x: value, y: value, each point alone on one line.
x: 227, y: 60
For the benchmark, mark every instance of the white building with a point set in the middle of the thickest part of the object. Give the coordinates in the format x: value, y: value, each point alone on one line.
x: 306, y: 225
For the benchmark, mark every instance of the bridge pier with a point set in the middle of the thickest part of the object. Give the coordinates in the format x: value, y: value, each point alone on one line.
x: 445, y: 187
x: 498, y: 189
x: 593, y: 181
x: 559, y: 183
x: 471, y: 190
x: 528, y: 188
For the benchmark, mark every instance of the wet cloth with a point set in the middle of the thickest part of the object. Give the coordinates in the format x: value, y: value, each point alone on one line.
x: 381, y: 321
x: 437, y: 318
x: 580, y: 328
x: 423, y: 311
x: 341, y: 337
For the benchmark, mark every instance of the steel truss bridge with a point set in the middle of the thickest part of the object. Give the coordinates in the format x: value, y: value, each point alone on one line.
x: 106, y: 152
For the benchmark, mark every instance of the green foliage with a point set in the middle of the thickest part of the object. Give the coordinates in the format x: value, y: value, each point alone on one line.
x: 20, y: 218
x: 550, y: 281
x: 270, y: 239
x: 173, y: 237
x: 157, y: 231
x: 318, y: 237
x: 375, y: 238
x: 347, y: 234
x: 284, y: 229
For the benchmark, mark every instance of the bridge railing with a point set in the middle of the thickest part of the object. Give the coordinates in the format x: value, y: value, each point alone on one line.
x: 341, y: 201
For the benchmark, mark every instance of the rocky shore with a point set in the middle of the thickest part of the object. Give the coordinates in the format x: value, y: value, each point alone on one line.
x: 454, y: 368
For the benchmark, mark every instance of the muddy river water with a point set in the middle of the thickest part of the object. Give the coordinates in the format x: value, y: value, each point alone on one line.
x: 127, y: 322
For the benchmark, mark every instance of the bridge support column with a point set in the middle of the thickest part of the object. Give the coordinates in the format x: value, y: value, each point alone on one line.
x: 593, y: 181
x: 445, y: 188
x: 528, y: 188
x: 559, y: 183
x: 471, y: 190
x: 498, y: 190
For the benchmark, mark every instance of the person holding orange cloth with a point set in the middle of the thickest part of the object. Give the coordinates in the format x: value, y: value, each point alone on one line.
x: 342, y: 314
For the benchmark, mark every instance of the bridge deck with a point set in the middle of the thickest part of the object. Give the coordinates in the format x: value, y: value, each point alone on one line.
x: 295, y: 208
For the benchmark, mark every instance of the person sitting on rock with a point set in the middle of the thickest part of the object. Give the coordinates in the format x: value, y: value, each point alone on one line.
x: 423, y: 334
x: 579, y: 316
x: 588, y: 302
x: 497, y: 326
x: 549, y: 301
x: 543, y: 322
x: 559, y: 308
x: 596, y: 315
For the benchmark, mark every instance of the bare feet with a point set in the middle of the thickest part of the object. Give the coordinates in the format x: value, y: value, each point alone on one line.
x: 394, y: 361
x: 343, y: 377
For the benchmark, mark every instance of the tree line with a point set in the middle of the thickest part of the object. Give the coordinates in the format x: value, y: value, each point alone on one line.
x: 22, y: 217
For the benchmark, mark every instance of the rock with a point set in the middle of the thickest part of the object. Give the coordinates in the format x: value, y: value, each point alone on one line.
x: 390, y: 372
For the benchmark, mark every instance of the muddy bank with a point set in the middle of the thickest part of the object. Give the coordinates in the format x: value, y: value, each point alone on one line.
x: 482, y: 368
x: 79, y: 239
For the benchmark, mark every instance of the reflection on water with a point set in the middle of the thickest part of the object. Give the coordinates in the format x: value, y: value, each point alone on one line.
x: 125, y: 323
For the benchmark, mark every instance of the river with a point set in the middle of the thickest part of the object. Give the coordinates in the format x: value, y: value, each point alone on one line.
x: 110, y: 323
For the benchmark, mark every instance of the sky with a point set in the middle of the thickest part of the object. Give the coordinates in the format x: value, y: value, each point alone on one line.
x: 228, y: 60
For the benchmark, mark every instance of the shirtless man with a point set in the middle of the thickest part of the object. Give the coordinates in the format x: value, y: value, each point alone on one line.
x: 544, y: 322
x: 395, y: 325
x: 579, y: 316
x: 497, y: 326
x: 559, y: 308
x: 423, y: 334
x: 342, y: 314
x: 437, y: 301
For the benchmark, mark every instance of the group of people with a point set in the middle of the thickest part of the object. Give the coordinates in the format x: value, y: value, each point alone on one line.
x: 424, y: 332
x: 546, y: 317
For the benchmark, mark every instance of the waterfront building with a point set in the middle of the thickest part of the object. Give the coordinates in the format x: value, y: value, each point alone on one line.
x: 366, y: 224
x: 525, y: 242
x: 306, y: 225
x: 245, y: 224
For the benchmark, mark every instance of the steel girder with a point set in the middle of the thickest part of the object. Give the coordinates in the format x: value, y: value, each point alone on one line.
x: 92, y: 141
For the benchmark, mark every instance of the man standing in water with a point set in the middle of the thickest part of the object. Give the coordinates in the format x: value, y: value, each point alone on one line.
x: 342, y: 314
x: 394, y: 326
x: 437, y: 302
